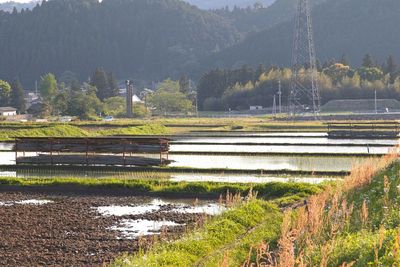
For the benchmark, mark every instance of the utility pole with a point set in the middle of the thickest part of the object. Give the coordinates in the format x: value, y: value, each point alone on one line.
x: 376, y: 104
x: 129, y: 95
x: 274, y: 107
x: 280, y: 96
x: 303, y: 94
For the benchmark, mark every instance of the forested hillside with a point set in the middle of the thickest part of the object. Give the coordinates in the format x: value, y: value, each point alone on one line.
x: 155, y: 39
x: 217, y: 4
x: 137, y: 38
x: 351, y: 27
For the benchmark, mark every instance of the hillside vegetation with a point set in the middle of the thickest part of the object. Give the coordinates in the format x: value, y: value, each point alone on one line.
x: 122, y: 36
x: 351, y: 27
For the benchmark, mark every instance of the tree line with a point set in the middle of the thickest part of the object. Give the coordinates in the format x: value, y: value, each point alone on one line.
x: 221, y: 89
x: 99, y: 96
x: 12, y: 95
x: 119, y: 35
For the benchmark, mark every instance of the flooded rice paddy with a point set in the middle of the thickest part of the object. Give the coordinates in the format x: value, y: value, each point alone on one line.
x: 287, y: 149
x: 297, y: 148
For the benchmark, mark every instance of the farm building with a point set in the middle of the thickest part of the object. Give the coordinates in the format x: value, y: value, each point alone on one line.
x: 361, y: 105
x: 256, y: 107
x: 8, y: 111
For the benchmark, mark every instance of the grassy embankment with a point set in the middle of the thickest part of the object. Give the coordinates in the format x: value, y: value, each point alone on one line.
x: 282, y: 193
x: 8, y: 133
x: 355, y: 224
x: 234, y: 232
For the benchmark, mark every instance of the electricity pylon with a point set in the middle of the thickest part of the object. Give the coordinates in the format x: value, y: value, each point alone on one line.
x: 304, y: 93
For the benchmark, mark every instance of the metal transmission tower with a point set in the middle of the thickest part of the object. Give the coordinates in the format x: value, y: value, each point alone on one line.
x: 304, y: 93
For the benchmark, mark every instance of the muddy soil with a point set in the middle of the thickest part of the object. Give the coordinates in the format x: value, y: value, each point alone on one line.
x: 69, y: 231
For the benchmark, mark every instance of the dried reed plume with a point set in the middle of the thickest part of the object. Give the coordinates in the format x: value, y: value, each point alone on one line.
x: 312, y: 222
x: 364, y: 213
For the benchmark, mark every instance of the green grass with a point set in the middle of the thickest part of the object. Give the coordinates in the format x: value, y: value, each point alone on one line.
x: 227, y: 233
x: 154, y: 126
x: 289, y: 192
x: 8, y: 133
x: 150, y: 129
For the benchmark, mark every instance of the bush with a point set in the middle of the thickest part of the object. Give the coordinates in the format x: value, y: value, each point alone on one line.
x: 140, y: 111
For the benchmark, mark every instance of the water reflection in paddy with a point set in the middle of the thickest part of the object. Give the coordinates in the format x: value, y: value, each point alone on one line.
x: 293, y: 163
x: 282, y: 149
x: 285, y: 140
x: 252, y: 179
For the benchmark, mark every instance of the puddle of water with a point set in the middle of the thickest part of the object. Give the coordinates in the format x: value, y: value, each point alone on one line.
x: 249, y: 179
x: 154, y: 206
x: 35, y: 202
x: 210, y: 209
x: 131, y: 229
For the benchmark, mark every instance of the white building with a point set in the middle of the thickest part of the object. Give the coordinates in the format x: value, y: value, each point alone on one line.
x: 8, y: 111
x: 136, y: 100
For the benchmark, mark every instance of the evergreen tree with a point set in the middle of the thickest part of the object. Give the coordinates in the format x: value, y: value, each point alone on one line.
x: 344, y: 60
x: 112, y: 84
x: 391, y: 68
x: 184, y: 85
x: 260, y: 70
x: 5, y: 91
x: 100, y: 81
x: 18, y: 96
x: 48, y: 86
x: 367, y: 61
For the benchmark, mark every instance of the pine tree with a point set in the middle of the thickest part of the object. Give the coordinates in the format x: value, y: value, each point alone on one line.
x: 344, y: 60
x: 184, y: 85
x: 367, y: 61
x: 18, y: 96
x: 391, y: 68
x: 112, y: 84
x: 5, y: 91
x: 100, y: 81
x: 260, y: 70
